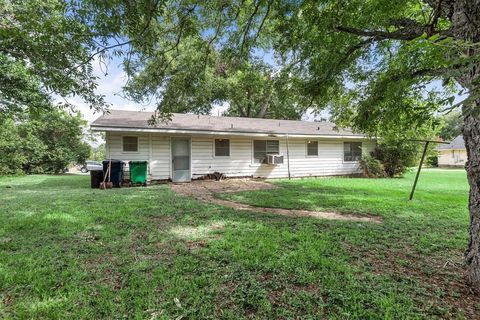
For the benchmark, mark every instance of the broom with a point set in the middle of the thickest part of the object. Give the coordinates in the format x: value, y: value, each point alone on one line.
x: 107, y: 185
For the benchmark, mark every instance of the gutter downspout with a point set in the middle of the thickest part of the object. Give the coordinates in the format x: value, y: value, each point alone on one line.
x: 288, y: 159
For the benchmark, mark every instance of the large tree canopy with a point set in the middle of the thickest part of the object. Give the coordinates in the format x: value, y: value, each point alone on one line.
x: 381, y: 66
x: 45, y: 50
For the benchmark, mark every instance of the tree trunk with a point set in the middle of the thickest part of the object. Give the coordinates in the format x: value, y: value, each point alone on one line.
x: 471, y: 135
x: 263, y: 110
x: 465, y: 22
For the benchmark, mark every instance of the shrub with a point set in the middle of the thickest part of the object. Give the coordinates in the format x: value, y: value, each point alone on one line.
x: 432, y: 159
x: 371, y: 167
x: 396, y: 155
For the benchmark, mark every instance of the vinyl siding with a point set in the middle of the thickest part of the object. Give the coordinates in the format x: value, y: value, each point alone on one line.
x: 449, y: 158
x: 156, y: 149
x: 152, y: 148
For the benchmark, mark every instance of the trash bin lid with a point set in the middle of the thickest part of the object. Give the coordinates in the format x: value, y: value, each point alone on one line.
x: 113, y: 161
x: 138, y: 162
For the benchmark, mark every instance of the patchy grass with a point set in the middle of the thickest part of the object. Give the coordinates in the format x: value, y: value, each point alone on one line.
x: 67, y: 251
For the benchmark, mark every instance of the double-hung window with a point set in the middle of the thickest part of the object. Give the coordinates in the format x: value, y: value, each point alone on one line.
x: 312, y: 148
x: 222, y: 147
x: 263, y: 147
x: 130, y: 144
x: 352, y: 151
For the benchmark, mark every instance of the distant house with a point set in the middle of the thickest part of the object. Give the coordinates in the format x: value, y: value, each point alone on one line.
x: 453, y: 154
x: 191, y: 146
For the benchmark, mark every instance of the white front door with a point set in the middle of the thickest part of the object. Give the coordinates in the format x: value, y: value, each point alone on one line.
x: 181, y: 160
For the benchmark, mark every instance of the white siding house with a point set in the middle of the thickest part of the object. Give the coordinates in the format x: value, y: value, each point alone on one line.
x: 453, y: 154
x: 181, y: 150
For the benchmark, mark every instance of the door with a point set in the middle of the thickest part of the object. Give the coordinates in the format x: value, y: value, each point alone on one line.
x: 181, y: 160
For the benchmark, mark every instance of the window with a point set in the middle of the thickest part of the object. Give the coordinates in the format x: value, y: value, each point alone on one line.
x: 312, y: 148
x: 263, y: 147
x: 130, y: 144
x: 222, y: 147
x: 352, y: 151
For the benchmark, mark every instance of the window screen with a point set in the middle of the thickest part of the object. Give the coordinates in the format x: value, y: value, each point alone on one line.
x: 263, y: 147
x: 352, y: 151
x: 130, y: 144
x: 312, y: 148
x: 222, y: 147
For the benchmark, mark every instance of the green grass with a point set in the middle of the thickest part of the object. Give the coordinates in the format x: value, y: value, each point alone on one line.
x: 67, y: 251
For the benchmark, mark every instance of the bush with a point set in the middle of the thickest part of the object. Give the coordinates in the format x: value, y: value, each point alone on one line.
x: 432, y: 159
x: 396, y: 155
x: 372, y: 168
x: 391, y: 158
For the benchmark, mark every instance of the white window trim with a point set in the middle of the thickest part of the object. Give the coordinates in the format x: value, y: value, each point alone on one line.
x: 306, y: 149
x: 255, y: 164
x: 343, y: 153
x: 138, y: 144
x: 229, y: 148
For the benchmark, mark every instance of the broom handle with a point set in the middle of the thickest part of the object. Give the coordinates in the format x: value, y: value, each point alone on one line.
x: 106, y: 173
x: 109, y: 170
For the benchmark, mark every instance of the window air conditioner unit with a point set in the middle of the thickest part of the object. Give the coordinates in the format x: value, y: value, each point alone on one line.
x: 274, y: 159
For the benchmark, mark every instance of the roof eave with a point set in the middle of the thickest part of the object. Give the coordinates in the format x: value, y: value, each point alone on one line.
x: 229, y: 133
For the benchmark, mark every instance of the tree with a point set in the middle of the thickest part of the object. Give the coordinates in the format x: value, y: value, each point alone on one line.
x: 96, y: 141
x: 61, y: 135
x: 45, y: 142
x: 12, y: 158
x: 452, y: 126
x: 192, y: 79
x: 379, y: 62
x: 45, y: 49
x: 98, y: 153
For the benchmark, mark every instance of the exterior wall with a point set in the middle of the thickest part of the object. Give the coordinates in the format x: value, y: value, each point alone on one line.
x: 452, y: 158
x: 156, y: 149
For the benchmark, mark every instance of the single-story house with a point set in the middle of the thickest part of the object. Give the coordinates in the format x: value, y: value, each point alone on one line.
x: 453, y: 154
x: 191, y: 146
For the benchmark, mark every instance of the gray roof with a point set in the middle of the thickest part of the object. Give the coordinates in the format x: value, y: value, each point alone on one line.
x: 456, y: 144
x: 189, y: 122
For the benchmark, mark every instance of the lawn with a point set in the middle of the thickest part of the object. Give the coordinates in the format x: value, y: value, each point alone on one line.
x: 67, y: 251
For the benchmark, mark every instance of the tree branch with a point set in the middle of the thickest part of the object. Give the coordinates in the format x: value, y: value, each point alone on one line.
x: 118, y: 44
x: 249, y: 24
x: 407, y: 29
x: 381, y: 35
x: 263, y: 21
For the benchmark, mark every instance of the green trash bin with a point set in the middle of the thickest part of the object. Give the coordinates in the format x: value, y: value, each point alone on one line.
x: 138, y: 172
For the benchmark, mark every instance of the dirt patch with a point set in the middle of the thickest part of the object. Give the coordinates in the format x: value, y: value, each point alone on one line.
x: 205, y: 190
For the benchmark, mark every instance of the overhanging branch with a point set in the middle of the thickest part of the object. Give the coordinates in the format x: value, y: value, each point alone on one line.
x: 407, y: 30
x: 381, y: 35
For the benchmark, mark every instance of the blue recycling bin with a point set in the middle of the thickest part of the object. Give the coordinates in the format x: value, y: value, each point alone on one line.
x: 116, y: 174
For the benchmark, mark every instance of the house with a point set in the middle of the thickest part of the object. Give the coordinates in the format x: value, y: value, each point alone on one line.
x: 191, y: 146
x: 453, y: 154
